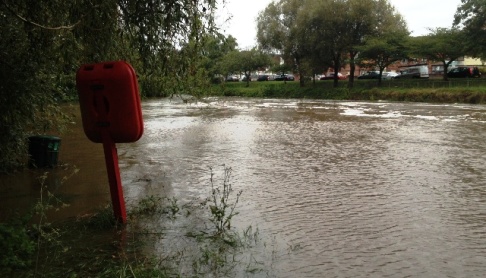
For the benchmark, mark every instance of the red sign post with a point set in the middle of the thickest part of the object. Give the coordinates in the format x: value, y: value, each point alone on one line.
x: 111, y: 113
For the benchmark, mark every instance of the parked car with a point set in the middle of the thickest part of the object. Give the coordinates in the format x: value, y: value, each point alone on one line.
x: 243, y: 78
x: 418, y: 71
x: 389, y: 75
x: 408, y: 73
x: 284, y: 77
x: 263, y: 77
x: 464, y: 72
x: 232, y: 78
x: 330, y: 76
x: 370, y: 75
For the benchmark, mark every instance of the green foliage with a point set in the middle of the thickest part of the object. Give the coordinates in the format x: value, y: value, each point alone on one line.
x: 214, y: 48
x: 279, y: 30
x: 100, y: 220
x: 44, y: 43
x: 380, y: 52
x: 472, y: 15
x: 23, y: 240
x: 244, y: 61
x: 28, y: 91
x: 442, y: 44
x: 17, y: 246
x: 315, y: 35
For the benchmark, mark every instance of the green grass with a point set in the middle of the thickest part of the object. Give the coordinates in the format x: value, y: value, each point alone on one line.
x: 432, y: 90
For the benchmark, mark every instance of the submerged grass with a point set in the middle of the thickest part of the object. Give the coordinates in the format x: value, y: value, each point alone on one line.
x: 95, y: 245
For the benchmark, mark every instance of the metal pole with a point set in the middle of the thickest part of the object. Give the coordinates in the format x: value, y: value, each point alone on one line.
x: 111, y: 156
x: 116, y: 190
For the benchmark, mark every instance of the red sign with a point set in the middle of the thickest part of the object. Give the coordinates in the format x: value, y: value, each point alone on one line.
x: 110, y: 100
x: 111, y: 113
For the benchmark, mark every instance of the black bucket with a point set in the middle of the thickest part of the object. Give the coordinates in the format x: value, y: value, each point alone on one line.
x: 43, y: 151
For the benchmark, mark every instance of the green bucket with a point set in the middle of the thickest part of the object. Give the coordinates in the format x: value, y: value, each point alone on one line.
x: 43, y: 151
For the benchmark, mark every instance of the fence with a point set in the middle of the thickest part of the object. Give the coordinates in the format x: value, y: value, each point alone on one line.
x: 420, y: 83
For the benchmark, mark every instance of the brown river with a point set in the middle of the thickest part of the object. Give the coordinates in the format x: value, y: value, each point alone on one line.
x: 335, y: 189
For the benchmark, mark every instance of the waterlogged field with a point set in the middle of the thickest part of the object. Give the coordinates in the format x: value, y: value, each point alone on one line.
x: 334, y: 188
x: 321, y: 188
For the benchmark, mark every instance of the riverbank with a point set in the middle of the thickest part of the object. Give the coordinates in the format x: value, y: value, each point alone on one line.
x: 472, y: 91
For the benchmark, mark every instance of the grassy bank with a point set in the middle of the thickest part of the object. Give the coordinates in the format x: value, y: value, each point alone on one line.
x: 455, y: 91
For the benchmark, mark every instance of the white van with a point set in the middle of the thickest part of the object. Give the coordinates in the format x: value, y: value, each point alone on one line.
x: 419, y: 71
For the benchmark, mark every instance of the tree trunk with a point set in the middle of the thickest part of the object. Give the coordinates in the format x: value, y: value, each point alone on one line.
x: 301, y: 74
x: 380, y: 76
x: 444, y: 73
x: 352, y: 68
x: 337, y: 66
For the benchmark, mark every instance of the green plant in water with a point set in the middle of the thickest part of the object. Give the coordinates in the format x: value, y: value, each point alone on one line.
x: 32, y: 238
x: 147, y: 206
x: 102, y: 219
x: 172, y: 209
x: 152, y: 205
x: 46, y: 234
x: 75, y: 249
x: 222, y: 211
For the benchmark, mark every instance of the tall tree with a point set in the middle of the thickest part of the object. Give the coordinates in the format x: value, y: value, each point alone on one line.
x: 472, y: 15
x: 278, y: 30
x: 377, y: 23
x: 327, y: 22
x: 215, y: 47
x: 442, y: 44
x: 317, y: 59
x: 382, y: 51
x: 246, y: 61
x: 387, y: 43
x: 362, y: 20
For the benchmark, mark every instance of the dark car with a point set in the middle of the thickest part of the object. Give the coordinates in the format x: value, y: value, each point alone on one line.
x: 262, y: 78
x: 464, y: 72
x: 370, y: 75
x: 284, y: 77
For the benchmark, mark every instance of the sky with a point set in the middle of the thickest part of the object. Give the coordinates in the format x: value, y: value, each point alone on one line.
x: 238, y: 17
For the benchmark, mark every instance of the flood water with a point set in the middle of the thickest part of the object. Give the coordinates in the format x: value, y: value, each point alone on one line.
x: 336, y: 189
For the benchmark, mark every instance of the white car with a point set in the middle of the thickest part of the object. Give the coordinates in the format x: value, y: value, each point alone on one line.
x: 389, y: 75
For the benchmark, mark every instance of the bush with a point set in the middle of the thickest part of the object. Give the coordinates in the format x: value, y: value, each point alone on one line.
x: 16, y: 245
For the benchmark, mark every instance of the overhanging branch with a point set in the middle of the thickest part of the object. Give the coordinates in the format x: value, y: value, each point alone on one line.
x: 68, y: 27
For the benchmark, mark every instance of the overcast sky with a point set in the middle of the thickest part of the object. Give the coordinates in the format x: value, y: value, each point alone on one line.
x: 239, y: 16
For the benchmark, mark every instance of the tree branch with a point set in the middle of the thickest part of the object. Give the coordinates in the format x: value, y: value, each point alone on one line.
x: 69, y: 27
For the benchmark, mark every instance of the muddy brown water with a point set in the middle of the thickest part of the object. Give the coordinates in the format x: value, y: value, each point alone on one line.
x: 336, y: 189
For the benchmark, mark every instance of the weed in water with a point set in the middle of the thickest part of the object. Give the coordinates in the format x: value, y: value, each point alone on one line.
x: 172, y: 209
x: 147, y: 206
x: 153, y: 205
x: 222, y: 211
x: 46, y: 234
x: 101, y: 220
